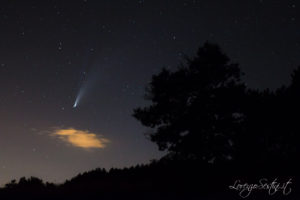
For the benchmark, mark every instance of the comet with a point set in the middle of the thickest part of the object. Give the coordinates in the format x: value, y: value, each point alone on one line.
x: 88, y: 82
x: 79, y: 95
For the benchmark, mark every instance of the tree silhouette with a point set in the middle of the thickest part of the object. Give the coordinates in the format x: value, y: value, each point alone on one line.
x: 271, y: 126
x: 196, y: 110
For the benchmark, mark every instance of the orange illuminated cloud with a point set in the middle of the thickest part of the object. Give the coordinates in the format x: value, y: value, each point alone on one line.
x: 80, y: 138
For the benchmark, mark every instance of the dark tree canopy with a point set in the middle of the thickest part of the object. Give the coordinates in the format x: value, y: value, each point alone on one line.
x: 196, y: 110
x: 271, y: 126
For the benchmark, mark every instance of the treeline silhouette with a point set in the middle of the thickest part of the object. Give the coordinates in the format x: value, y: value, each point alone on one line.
x: 163, y: 179
x: 215, y: 130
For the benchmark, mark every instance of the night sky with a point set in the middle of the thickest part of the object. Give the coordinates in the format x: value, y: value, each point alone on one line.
x: 103, y: 53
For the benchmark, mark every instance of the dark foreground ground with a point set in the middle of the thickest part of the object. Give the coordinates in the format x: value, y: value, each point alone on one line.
x: 165, y: 180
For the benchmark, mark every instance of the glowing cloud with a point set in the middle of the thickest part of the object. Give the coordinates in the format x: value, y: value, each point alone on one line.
x: 80, y: 138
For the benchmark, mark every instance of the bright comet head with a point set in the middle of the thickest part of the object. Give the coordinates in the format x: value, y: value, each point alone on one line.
x: 75, y: 104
